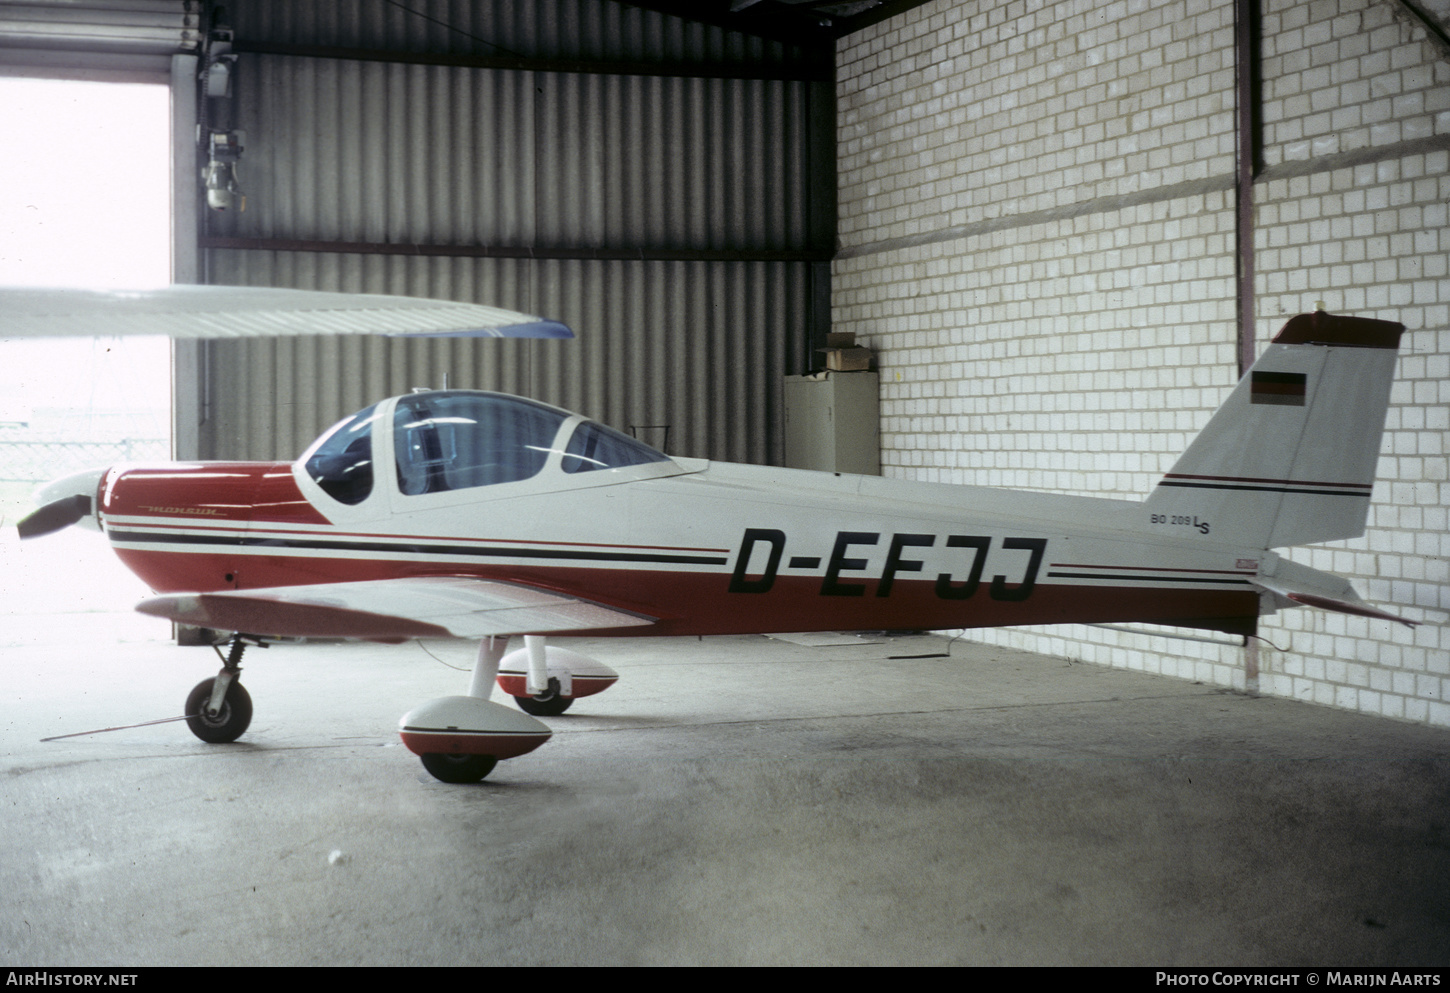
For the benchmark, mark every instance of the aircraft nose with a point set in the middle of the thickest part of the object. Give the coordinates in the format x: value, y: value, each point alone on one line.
x: 66, y: 501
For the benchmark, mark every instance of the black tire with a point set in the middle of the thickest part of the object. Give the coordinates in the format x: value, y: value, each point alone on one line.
x: 458, y: 768
x: 546, y: 704
x: 230, y: 724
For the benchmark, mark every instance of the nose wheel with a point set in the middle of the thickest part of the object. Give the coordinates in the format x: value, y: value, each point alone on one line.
x: 219, y: 710
x: 227, y: 723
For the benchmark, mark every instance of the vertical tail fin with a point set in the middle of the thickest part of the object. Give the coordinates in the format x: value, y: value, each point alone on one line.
x: 1290, y: 456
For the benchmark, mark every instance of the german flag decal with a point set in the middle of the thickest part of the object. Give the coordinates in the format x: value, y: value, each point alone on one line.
x: 1284, y: 388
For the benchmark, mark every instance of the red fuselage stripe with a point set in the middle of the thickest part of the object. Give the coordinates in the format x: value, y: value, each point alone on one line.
x: 700, y: 603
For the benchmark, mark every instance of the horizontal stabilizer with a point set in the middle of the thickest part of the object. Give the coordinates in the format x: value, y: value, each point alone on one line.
x: 1297, y: 585
x: 391, y: 610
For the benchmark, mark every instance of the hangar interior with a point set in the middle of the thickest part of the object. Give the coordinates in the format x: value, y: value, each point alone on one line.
x: 1063, y: 228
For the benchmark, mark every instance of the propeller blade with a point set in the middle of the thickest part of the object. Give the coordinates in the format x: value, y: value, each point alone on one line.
x: 54, y: 516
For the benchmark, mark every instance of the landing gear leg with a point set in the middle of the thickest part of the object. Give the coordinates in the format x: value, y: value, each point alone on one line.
x: 485, y: 670
x: 220, y: 710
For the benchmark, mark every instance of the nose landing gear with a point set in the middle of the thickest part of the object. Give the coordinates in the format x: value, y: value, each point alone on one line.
x: 219, y: 710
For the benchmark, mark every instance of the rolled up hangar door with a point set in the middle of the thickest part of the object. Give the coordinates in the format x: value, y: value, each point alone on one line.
x: 128, y: 41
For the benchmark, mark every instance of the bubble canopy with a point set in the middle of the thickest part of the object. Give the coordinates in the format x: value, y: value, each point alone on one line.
x: 462, y: 439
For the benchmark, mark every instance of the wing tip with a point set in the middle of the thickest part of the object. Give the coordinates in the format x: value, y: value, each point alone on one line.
x: 544, y: 329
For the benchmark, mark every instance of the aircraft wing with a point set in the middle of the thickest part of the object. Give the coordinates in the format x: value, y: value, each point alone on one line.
x: 254, y: 311
x: 392, y: 610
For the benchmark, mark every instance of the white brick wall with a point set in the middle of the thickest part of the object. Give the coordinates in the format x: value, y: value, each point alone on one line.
x: 1037, y: 237
x: 964, y: 112
x: 1341, y: 75
x: 1049, y: 363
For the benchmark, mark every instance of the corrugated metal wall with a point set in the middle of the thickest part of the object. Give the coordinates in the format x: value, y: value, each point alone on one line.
x: 96, y: 39
x: 581, y: 29
x: 672, y: 221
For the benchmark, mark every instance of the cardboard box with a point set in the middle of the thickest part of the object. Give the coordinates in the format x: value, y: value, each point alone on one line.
x: 848, y: 359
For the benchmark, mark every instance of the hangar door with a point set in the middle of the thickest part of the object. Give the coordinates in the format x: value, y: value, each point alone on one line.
x: 115, y: 41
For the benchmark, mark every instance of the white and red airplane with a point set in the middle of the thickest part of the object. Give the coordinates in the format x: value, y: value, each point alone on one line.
x: 482, y: 515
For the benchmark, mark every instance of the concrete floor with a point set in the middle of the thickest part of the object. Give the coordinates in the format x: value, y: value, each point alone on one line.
x: 732, y: 801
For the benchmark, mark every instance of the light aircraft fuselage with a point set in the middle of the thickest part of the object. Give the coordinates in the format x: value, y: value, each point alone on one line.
x: 701, y: 547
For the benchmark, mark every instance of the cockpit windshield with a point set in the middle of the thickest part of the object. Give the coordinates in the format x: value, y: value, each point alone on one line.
x: 595, y: 446
x: 341, y: 461
x: 453, y: 441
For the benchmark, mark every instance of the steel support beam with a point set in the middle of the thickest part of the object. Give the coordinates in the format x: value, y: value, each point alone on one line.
x: 810, y: 68
x: 519, y: 251
x: 1248, y: 145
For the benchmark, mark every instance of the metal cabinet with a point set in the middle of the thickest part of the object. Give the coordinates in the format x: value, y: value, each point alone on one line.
x: 833, y: 422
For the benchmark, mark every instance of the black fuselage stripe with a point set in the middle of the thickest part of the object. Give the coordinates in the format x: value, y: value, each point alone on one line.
x: 315, y: 544
x: 1120, y: 577
x: 1265, y: 489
